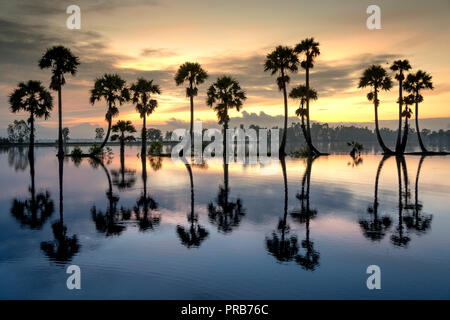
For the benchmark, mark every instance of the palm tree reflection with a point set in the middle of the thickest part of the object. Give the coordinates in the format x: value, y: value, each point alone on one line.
x: 63, y: 247
x: 146, y: 206
x: 109, y: 222
x: 310, y: 259
x: 33, y: 212
x: 195, y: 234
x: 123, y: 178
x: 376, y: 227
x: 281, y: 244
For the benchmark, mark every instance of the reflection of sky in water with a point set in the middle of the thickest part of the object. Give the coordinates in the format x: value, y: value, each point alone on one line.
x: 154, y: 264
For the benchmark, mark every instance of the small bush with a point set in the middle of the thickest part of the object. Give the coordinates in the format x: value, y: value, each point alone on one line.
x: 95, y: 150
x: 76, y: 152
x: 304, y: 152
x: 155, y: 148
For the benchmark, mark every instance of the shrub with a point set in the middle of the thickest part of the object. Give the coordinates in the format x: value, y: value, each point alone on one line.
x: 76, y: 152
x: 304, y: 152
x: 155, y: 148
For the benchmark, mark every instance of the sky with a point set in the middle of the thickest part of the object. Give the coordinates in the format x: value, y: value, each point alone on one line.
x: 152, y: 38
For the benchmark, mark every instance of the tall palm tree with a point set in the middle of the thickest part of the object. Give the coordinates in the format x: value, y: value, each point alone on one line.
x: 414, y: 84
x: 33, y: 98
x: 400, y: 66
x: 224, y: 94
x: 61, y: 61
x: 121, y: 128
x: 193, y: 74
x: 112, y: 88
x: 310, y: 50
x: 281, y: 61
x: 142, y: 92
x: 378, y: 79
x: 302, y: 93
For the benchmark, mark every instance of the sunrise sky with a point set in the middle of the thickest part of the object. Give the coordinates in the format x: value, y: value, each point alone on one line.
x: 152, y: 38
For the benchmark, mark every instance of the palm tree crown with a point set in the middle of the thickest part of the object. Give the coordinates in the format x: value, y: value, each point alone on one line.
x: 310, y: 49
x: 33, y: 98
x: 61, y: 61
x: 301, y: 93
x: 224, y: 94
x: 419, y: 81
x: 192, y: 73
x: 141, y: 93
x: 377, y: 78
x: 123, y: 127
x: 400, y: 66
x: 279, y: 61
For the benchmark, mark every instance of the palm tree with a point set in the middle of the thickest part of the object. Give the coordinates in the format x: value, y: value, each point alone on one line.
x: 401, y: 66
x: 414, y: 84
x: 145, y: 105
x: 194, y: 74
x: 378, y: 79
x: 33, y: 98
x: 61, y: 61
x: 310, y: 50
x: 406, y: 113
x: 301, y: 93
x: 121, y: 128
x: 112, y: 88
x: 224, y: 94
x: 281, y: 61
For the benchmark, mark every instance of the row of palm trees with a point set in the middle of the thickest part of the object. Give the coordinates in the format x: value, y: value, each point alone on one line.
x: 377, y: 78
x: 226, y: 93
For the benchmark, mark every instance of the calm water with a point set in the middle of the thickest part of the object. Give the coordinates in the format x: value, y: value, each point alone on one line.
x: 311, y: 237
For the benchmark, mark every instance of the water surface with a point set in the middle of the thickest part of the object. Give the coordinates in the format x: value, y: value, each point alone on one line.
x: 162, y: 230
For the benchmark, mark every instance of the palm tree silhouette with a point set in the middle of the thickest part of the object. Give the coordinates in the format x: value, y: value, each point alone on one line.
x: 301, y: 93
x: 378, y: 79
x: 375, y: 228
x: 123, y: 178
x: 195, y: 234
x: 281, y: 61
x: 406, y: 113
x: 280, y: 245
x: 142, y: 92
x: 309, y: 260
x: 193, y: 74
x: 310, y: 50
x: 112, y: 88
x: 34, y: 211
x: 400, y: 66
x: 61, y: 61
x: 63, y: 247
x: 120, y: 129
x: 33, y: 98
x: 414, y: 84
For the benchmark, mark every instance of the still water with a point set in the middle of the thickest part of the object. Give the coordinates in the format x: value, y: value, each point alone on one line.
x: 162, y: 230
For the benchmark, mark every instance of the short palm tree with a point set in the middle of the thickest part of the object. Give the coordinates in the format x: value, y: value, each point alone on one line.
x: 378, y: 79
x: 310, y: 50
x: 281, y: 61
x: 414, y: 84
x: 61, y: 61
x: 142, y: 92
x: 301, y: 93
x: 112, y: 88
x: 400, y: 66
x: 121, y: 128
x: 225, y: 94
x: 193, y: 74
x: 33, y: 98
x: 406, y: 113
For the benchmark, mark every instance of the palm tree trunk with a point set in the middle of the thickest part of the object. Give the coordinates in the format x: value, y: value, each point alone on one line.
x: 377, y: 129
x: 31, y: 147
x: 422, y: 146
x: 144, y: 135
x: 398, y: 146
x: 191, y: 130
x: 405, y: 137
x: 309, y: 139
x: 283, y: 168
x: 109, y: 127
x: 61, y: 175
x: 283, y: 140
x: 60, y: 142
